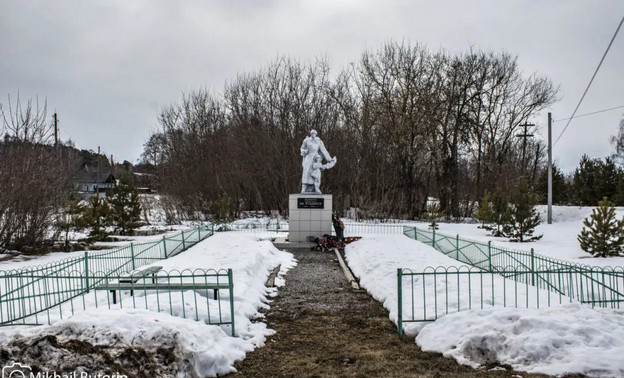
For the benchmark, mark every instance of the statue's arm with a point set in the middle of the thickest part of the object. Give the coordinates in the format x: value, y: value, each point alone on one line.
x: 323, y: 150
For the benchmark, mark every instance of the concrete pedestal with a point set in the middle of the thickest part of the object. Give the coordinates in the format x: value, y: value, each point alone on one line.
x: 309, y: 215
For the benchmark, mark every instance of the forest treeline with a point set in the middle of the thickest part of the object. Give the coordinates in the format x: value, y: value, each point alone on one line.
x: 406, y: 124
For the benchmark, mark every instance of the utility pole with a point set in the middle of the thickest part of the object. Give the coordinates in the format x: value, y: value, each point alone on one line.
x: 55, y: 132
x: 550, y: 183
x: 524, y: 140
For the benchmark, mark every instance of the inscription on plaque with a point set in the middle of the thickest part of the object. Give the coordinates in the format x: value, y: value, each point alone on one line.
x: 310, y: 203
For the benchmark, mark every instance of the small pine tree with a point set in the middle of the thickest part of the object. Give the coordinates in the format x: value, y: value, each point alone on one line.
x: 433, y: 214
x: 95, y: 216
x: 125, y: 208
x: 221, y: 209
x: 523, y: 217
x: 500, y: 215
x: 602, y: 234
x: 485, y: 211
x: 68, y: 218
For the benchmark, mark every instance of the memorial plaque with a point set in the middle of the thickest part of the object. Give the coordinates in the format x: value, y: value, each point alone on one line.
x: 310, y: 203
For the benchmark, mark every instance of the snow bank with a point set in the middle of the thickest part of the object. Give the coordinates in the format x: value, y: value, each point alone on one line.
x: 556, y: 340
x: 568, y: 339
x: 196, y: 349
x: 209, y: 347
x: 251, y: 258
x: 375, y: 259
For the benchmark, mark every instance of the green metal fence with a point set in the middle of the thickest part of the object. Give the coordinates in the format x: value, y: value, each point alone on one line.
x: 351, y: 228
x: 25, y: 292
x: 506, y: 261
x: 534, y: 279
x: 274, y: 225
x: 361, y: 228
x: 427, y: 295
x: 205, y: 295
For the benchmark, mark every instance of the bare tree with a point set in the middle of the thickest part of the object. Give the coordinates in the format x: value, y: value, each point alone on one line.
x: 407, y: 123
x: 34, y: 180
x: 26, y: 122
x: 618, y: 142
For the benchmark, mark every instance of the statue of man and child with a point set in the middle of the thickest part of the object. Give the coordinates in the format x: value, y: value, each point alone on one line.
x: 313, y: 151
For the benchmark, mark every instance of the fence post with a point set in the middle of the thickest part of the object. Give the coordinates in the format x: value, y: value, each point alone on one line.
x: 415, y: 234
x: 400, y: 300
x: 277, y: 227
x: 433, y: 238
x: 211, y: 229
x: 231, y: 289
x: 165, y: 246
x: 533, y: 266
x: 86, y: 258
x: 490, y: 254
x: 457, y: 247
x: 132, y: 256
x: 198, y: 233
x: 183, y: 242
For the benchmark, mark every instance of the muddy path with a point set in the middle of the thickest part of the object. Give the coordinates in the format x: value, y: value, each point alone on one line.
x: 324, y: 328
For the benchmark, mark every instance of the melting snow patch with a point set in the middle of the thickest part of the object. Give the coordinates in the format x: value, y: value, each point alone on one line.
x: 166, y: 344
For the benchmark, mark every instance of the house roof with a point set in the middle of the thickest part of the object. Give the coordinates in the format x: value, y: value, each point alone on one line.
x: 94, y: 177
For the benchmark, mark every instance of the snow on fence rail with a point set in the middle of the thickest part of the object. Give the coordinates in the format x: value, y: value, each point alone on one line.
x: 512, y: 278
x: 27, y: 291
x: 198, y: 294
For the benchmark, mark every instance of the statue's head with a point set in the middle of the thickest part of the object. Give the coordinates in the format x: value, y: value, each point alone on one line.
x: 313, y: 133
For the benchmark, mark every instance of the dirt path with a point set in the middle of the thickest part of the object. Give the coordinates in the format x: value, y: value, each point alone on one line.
x: 324, y: 328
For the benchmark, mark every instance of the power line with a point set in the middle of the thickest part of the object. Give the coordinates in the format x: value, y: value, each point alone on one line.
x: 592, y: 113
x: 591, y: 81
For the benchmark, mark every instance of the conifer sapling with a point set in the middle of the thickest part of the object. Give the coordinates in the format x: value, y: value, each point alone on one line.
x: 485, y: 211
x: 500, y: 215
x: 602, y: 234
x: 523, y: 217
x: 433, y: 214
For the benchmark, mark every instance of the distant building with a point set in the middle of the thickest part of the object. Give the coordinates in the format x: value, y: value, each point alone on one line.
x: 89, y: 184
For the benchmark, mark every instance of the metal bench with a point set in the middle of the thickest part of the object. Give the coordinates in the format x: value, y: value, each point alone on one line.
x: 131, y: 279
x: 135, y: 281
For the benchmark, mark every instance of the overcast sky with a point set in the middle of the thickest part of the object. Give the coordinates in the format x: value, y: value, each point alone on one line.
x: 107, y: 67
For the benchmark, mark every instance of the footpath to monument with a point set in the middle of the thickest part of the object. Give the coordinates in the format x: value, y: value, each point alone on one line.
x: 325, y: 328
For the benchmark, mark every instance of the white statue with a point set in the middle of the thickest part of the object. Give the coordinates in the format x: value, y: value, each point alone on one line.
x: 313, y: 150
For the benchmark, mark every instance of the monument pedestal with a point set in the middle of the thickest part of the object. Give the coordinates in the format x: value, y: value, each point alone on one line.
x: 309, y: 215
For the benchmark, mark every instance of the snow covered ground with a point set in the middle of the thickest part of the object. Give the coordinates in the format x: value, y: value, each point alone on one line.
x: 210, y: 348
x: 21, y: 261
x: 564, y: 339
x: 556, y: 340
x: 559, y: 240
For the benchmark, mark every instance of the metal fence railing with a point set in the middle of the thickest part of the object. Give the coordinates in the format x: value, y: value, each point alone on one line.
x: 351, y: 228
x: 198, y: 294
x: 427, y: 295
x: 534, y: 280
x: 273, y: 225
x: 360, y: 228
x: 27, y: 291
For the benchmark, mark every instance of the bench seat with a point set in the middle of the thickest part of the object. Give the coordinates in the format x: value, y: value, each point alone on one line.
x: 161, y: 286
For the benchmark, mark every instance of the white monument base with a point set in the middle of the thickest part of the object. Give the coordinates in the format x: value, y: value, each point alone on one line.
x: 309, y: 215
